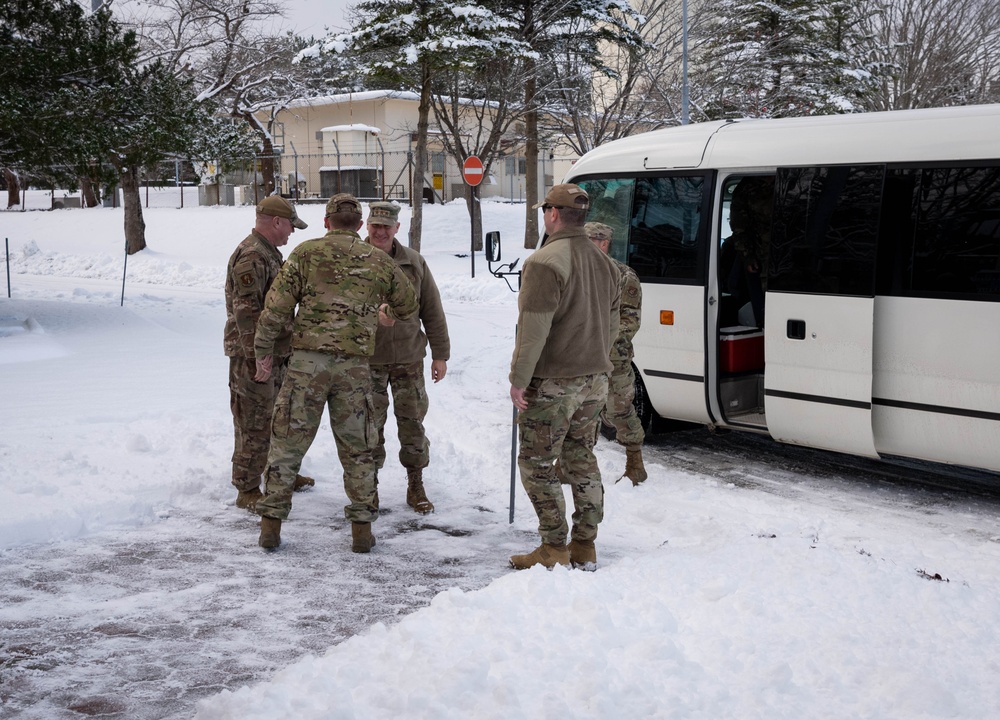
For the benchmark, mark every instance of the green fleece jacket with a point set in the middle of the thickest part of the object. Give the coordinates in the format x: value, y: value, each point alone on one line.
x: 568, y: 310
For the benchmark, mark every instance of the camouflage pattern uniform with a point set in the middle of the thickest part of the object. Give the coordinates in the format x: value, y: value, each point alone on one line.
x: 561, y: 424
x: 567, y: 321
x: 620, y: 411
x: 399, y: 362
x: 251, y: 270
x: 338, y: 282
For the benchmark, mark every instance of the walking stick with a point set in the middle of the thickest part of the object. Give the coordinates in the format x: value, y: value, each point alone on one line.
x: 513, y: 463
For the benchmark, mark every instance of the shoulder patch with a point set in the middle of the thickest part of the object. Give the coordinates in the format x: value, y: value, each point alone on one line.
x: 247, y: 280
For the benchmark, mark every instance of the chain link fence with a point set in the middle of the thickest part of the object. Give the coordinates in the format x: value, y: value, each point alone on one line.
x: 384, y: 175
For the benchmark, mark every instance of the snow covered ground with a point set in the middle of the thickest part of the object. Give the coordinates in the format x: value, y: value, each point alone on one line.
x: 729, y: 586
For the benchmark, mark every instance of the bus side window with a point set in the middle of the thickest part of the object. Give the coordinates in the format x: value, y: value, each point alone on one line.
x: 940, y: 233
x: 824, y: 230
x: 956, y: 237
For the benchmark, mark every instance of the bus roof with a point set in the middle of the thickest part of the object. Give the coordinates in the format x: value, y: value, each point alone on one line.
x: 934, y: 134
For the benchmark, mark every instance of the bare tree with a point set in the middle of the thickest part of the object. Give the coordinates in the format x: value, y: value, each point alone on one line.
x: 409, y: 43
x: 581, y: 29
x: 638, y: 90
x: 231, y: 52
x: 935, y: 52
x: 478, y: 126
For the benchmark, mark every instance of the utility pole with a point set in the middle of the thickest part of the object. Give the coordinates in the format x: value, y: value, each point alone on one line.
x: 685, y: 119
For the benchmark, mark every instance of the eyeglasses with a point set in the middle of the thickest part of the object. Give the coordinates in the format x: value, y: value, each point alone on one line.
x: 548, y: 207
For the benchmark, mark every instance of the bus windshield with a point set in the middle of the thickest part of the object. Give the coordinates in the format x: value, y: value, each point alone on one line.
x: 657, y: 223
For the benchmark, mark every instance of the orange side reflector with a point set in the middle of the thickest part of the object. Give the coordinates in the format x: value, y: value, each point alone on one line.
x: 666, y: 317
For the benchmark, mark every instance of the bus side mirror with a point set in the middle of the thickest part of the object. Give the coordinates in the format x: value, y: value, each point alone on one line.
x: 493, y: 246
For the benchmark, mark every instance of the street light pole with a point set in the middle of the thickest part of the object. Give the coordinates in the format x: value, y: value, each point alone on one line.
x: 685, y: 119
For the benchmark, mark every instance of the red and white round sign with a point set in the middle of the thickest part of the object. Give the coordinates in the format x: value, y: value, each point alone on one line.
x: 472, y: 170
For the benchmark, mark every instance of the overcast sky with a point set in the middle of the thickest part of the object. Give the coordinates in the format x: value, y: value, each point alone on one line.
x: 310, y: 17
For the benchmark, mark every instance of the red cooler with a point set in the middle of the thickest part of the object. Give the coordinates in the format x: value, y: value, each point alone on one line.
x: 741, y: 349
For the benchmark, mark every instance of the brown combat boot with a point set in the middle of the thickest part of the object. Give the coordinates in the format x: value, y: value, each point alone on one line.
x: 362, y: 540
x: 634, y: 469
x: 270, y: 533
x: 247, y: 499
x: 544, y: 554
x: 301, y: 481
x: 416, y: 498
x: 583, y: 554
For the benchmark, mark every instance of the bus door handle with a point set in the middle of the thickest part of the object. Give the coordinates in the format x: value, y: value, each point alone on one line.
x: 796, y: 329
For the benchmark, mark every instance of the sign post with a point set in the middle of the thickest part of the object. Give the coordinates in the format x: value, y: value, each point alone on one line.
x: 472, y: 173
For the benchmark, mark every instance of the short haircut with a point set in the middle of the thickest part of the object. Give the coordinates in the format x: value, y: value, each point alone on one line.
x: 572, y: 217
x: 344, y: 220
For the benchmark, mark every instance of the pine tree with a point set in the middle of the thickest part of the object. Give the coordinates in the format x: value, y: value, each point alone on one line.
x: 80, y: 105
x: 778, y: 58
x: 56, y: 64
x: 553, y: 28
x: 404, y: 44
x: 588, y: 89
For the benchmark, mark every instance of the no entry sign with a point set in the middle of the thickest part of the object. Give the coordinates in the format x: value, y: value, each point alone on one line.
x: 472, y: 170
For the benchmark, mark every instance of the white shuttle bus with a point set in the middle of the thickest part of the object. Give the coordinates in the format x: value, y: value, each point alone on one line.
x: 852, y: 303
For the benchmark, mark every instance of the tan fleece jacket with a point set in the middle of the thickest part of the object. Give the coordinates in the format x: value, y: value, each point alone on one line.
x: 568, y: 310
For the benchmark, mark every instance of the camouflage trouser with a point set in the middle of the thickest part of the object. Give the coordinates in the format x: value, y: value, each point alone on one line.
x: 620, y: 410
x: 409, y: 405
x: 560, y: 424
x: 252, y: 404
x: 341, y: 383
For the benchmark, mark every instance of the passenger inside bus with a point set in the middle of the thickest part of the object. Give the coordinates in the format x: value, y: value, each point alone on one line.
x: 750, y: 220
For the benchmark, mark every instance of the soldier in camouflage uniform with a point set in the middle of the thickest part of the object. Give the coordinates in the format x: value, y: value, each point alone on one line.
x: 251, y: 270
x: 620, y: 410
x: 398, y: 361
x: 343, y: 288
x: 750, y: 221
x: 567, y: 322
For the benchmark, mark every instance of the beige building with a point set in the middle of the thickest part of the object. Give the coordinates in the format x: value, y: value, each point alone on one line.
x: 363, y: 143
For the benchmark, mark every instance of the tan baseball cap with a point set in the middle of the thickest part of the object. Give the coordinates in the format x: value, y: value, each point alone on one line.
x: 383, y: 213
x: 566, y: 195
x: 343, y: 202
x: 277, y: 206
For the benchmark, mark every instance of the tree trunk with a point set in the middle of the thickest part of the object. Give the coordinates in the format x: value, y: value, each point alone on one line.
x: 420, y: 157
x: 531, y: 160
x: 89, y: 192
x: 13, y: 188
x: 266, y: 169
x: 135, y: 226
x: 475, y: 208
